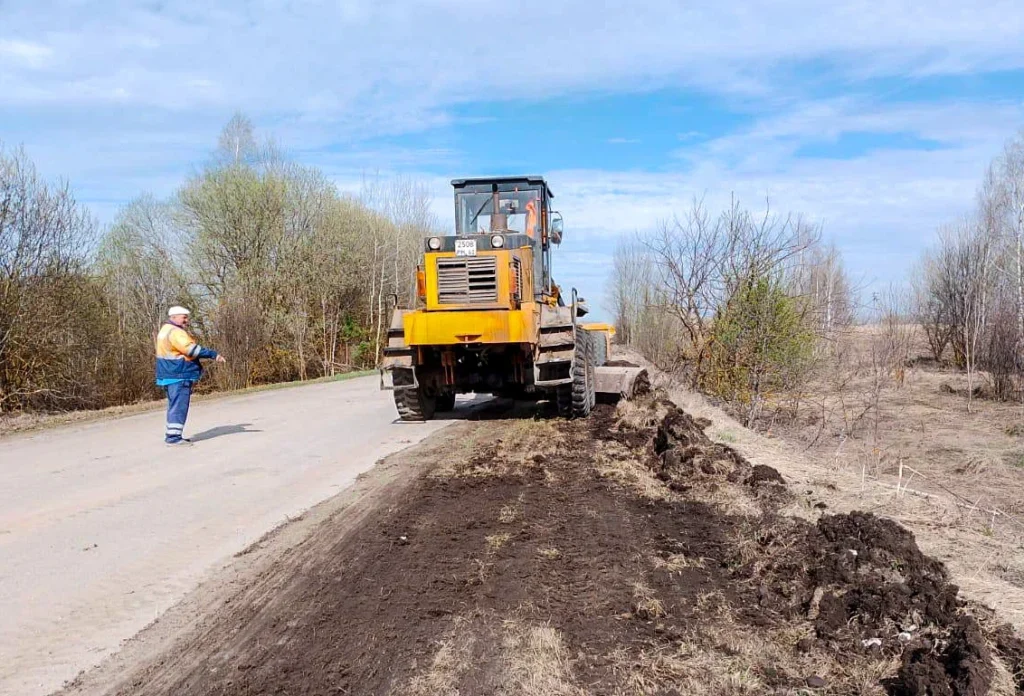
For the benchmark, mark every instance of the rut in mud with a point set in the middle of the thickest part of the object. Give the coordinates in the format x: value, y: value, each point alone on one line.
x: 626, y: 554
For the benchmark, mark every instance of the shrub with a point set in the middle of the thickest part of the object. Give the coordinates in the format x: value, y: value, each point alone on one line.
x: 759, y: 344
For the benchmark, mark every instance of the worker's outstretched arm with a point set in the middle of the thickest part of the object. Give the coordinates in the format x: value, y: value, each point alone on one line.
x: 184, y: 344
x: 205, y: 353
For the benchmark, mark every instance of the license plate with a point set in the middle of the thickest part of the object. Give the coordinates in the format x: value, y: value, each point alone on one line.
x: 465, y: 247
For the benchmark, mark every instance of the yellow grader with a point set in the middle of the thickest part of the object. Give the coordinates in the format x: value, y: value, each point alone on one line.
x: 488, y: 317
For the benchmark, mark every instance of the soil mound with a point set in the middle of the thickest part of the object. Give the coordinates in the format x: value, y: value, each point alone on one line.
x: 875, y: 579
x: 859, y: 581
x: 764, y: 475
x: 686, y: 457
x: 686, y: 453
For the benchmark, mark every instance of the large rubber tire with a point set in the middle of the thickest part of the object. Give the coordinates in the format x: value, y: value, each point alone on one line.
x: 583, y: 394
x: 412, y: 404
x: 446, y: 401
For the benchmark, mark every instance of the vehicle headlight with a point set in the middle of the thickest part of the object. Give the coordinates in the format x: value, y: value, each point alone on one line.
x: 497, y: 241
x: 434, y: 243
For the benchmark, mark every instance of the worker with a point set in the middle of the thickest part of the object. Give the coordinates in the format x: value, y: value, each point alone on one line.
x: 531, y: 218
x: 178, y: 369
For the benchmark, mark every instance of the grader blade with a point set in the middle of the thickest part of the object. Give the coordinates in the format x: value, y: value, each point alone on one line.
x: 621, y: 382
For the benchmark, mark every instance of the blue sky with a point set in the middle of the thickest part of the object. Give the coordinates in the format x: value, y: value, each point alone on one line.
x: 875, y: 119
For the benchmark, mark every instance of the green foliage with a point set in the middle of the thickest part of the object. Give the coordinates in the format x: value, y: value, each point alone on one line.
x: 363, y: 353
x: 759, y: 344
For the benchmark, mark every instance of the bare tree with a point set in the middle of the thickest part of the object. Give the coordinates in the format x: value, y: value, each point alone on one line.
x: 641, y: 315
x: 141, y: 276
x: 740, y: 298
x: 961, y: 279
x: 237, y: 142
x: 45, y: 294
x: 395, y: 243
x: 701, y: 262
x: 930, y: 309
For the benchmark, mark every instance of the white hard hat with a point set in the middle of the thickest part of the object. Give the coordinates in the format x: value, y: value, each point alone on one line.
x: 177, y: 310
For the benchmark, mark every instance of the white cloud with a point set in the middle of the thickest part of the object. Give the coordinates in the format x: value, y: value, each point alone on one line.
x: 26, y: 53
x: 335, y: 57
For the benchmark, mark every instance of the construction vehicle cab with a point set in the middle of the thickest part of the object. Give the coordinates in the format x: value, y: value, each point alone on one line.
x: 488, y: 316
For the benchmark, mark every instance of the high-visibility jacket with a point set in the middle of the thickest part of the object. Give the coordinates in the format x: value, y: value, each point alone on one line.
x: 178, y: 355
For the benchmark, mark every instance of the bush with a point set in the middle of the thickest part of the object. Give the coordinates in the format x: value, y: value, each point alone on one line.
x: 759, y: 344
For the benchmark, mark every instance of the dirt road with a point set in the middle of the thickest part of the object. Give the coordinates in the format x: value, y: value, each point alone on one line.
x: 102, y: 527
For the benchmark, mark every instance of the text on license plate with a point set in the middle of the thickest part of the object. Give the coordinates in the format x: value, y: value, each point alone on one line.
x: 465, y: 247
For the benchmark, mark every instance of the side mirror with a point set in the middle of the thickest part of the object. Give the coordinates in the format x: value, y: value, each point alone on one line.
x: 556, y: 228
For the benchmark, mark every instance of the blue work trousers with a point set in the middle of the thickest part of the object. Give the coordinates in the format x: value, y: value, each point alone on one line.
x: 178, y: 396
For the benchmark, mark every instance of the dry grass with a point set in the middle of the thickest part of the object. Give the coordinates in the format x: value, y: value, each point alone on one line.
x: 1002, y: 681
x: 633, y: 416
x: 729, y: 500
x: 535, y: 662
x: 724, y: 658
x: 549, y: 554
x: 615, y: 462
x: 531, y: 660
x: 510, y: 513
x: 509, y: 448
x: 496, y: 541
x: 453, y: 659
x: 526, y: 439
x: 677, y: 562
x: 645, y: 605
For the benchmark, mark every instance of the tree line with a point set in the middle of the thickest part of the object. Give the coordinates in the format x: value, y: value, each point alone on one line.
x: 750, y: 305
x: 968, y: 289
x: 286, y: 275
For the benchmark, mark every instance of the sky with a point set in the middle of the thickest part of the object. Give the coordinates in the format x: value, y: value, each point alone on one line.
x: 875, y: 120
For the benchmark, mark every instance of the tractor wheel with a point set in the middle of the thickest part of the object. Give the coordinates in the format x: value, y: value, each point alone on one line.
x: 413, y: 404
x: 446, y: 401
x: 583, y: 394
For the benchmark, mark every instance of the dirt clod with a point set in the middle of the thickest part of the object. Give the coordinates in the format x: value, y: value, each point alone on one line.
x: 762, y: 474
x: 687, y: 453
x: 1010, y: 647
x: 961, y: 664
x: 878, y: 575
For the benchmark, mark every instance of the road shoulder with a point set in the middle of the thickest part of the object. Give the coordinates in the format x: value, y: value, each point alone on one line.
x: 383, y: 485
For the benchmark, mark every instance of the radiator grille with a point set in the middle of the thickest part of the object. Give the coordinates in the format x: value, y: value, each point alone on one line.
x: 472, y: 280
